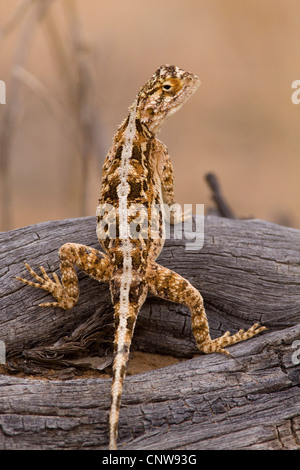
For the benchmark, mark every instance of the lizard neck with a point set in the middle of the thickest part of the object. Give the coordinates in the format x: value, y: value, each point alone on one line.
x: 123, y: 188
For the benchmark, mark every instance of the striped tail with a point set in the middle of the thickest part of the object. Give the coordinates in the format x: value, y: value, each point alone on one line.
x: 124, y: 331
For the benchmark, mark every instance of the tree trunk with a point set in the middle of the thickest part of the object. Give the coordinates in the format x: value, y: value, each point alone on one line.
x: 247, y: 271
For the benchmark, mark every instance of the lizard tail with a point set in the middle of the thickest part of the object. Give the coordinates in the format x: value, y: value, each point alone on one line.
x: 124, y: 324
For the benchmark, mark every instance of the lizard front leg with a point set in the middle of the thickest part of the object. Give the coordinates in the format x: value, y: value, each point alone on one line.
x: 165, y: 168
x: 66, y: 292
x: 171, y: 286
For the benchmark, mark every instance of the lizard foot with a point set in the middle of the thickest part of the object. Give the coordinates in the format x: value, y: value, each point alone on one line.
x: 53, y: 287
x: 219, y: 344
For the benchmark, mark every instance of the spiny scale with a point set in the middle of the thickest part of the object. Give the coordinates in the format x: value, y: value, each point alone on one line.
x: 137, y: 179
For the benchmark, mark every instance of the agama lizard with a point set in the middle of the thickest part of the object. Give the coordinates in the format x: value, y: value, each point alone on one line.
x: 137, y: 179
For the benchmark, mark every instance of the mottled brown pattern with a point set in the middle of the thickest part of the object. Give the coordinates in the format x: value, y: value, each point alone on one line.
x: 136, y: 171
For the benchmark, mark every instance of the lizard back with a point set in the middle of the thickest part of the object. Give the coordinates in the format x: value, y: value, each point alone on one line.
x: 130, y: 216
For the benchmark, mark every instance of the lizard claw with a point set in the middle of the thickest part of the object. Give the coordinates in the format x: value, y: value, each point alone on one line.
x: 41, y: 283
x: 46, y: 283
x: 50, y: 304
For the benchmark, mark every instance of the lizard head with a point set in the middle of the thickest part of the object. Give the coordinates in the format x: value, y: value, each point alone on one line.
x: 164, y: 93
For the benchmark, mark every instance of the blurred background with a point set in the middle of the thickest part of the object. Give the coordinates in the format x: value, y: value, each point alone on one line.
x: 72, y: 68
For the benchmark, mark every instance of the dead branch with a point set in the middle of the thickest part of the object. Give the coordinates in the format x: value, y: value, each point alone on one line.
x: 217, y: 196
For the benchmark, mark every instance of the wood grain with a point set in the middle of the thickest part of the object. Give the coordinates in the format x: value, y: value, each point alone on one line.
x: 247, y: 271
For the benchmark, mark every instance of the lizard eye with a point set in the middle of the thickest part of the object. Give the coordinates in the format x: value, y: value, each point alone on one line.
x: 167, y: 87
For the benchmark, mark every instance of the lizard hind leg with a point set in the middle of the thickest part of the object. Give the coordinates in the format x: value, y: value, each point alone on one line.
x: 171, y: 286
x: 66, y: 292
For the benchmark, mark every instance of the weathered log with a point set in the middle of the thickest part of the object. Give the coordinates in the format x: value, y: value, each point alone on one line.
x: 247, y: 271
x: 210, y: 402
